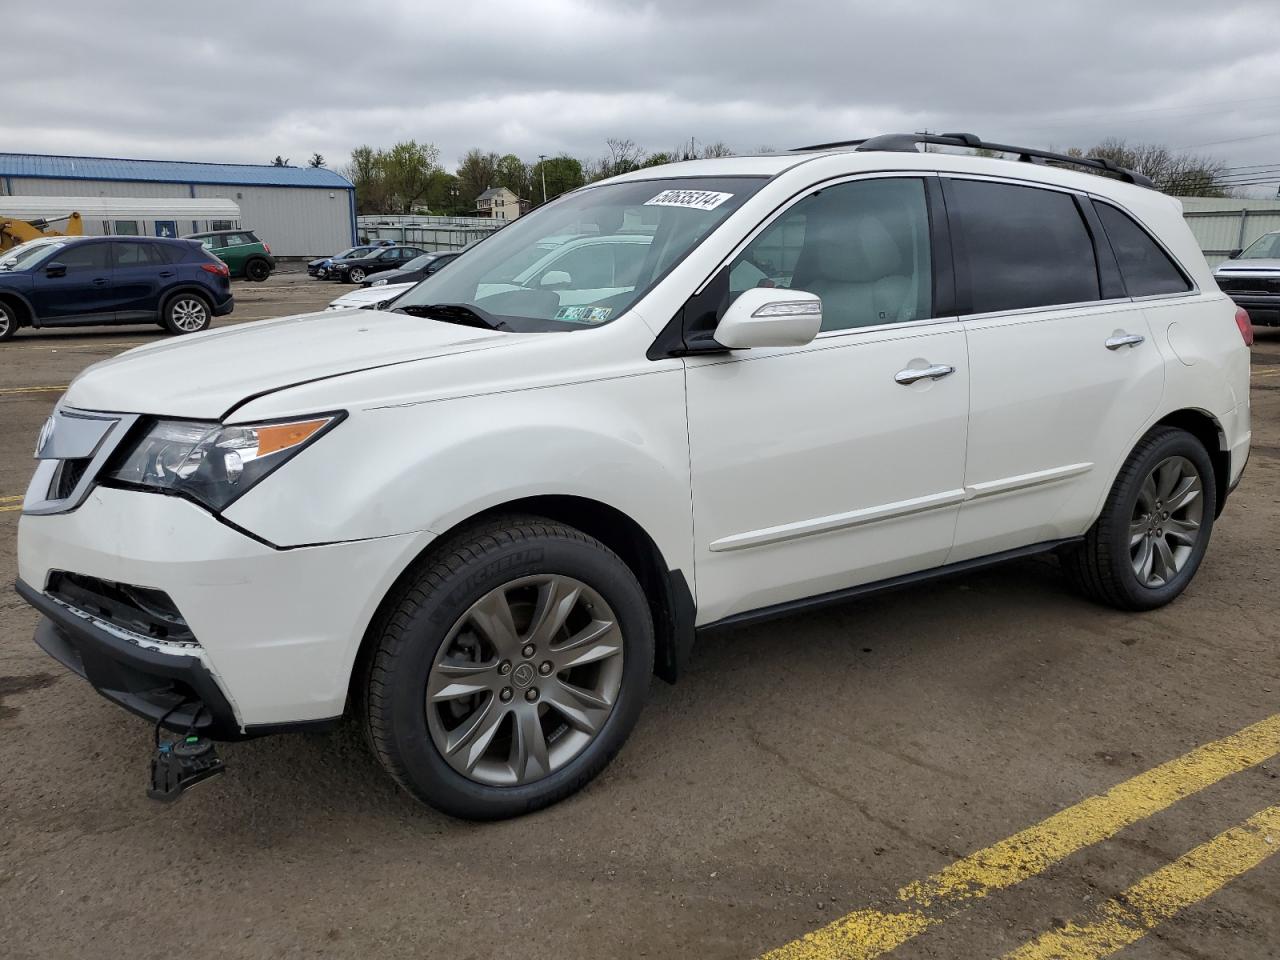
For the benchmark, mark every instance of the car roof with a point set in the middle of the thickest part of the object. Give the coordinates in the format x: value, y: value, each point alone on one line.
x: 852, y: 161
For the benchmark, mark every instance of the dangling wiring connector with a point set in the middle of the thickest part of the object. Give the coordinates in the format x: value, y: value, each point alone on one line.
x: 178, y: 765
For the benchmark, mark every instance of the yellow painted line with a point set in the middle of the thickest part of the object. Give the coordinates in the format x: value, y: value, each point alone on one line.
x: 16, y: 391
x: 869, y: 933
x: 16, y: 499
x: 17, y: 506
x: 1162, y: 895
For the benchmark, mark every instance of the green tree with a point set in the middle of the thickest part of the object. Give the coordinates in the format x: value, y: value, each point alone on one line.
x: 368, y: 174
x: 408, y: 167
x: 477, y: 172
x: 316, y: 161
x: 562, y: 173
x: 444, y: 194
x: 513, y: 173
x: 280, y: 161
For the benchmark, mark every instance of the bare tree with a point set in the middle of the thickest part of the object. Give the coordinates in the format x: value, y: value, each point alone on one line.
x: 1174, y: 173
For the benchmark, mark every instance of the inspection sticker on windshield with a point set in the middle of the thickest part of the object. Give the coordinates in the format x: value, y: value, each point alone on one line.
x: 584, y: 314
x: 698, y: 199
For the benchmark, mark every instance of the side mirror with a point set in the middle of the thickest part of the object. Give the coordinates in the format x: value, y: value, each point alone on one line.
x: 55, y: 270
x: 770, y: 317
x: 1235, y: 253
x: 555, y: 278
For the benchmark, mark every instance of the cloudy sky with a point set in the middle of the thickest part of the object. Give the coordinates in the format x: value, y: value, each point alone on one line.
x: 236, y: 81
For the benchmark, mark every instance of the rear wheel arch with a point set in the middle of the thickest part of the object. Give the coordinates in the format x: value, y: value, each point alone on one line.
x: 1206, y: 428
x: 667, y: 591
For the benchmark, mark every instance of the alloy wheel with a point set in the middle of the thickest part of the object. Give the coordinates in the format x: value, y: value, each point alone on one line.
x: 1166, y: 522
x: 189, y: 315
x: 357, y: 275
x: 6, y: 322
x: 525, y: 680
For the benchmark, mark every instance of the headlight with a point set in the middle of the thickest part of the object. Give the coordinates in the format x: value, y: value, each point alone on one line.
x: 379, y: 283
x: 214, y: 463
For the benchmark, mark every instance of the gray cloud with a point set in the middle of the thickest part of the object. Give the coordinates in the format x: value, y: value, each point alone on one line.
x: 244, y: 81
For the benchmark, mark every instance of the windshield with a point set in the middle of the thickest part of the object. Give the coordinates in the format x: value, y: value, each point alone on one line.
x: 584, y: 259
x: 417, y: 263
x: 355, y: 252
x: 24, y: 255
x: 1264, y: 248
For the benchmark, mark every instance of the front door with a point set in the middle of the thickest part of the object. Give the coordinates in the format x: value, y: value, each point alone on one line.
x: 74, y: 285
x: 839, y: 463
x: 1065, y: 372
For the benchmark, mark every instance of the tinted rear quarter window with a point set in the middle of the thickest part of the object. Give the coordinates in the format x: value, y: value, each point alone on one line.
x: 1023, y: 247
x: 138, y: 255
x: 1147, y: 269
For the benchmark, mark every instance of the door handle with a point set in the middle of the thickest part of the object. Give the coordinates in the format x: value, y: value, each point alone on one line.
x: 166, y: 273
x: 1122, y: 339
x: 935, y: 372
x: 100, y: 281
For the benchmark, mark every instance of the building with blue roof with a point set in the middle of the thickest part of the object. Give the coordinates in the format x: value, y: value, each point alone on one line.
x: 299, y: 211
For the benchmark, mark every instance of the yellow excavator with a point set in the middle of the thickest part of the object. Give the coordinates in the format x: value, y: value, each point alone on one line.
x: 14, y: 232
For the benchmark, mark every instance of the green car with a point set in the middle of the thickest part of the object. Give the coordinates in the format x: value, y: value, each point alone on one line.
x: 241, y: 250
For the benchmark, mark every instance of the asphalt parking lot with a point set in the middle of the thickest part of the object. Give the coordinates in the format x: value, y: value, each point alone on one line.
x: 984, y: 767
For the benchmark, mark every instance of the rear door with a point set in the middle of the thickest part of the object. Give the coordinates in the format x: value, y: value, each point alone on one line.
x: 75, y: 286
x: 1064, y: 371
x: 139, y: 271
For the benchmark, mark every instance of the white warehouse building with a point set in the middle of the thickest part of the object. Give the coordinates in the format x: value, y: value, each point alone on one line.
x: 298, y: 211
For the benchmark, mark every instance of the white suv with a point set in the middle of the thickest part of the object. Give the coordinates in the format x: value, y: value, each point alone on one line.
x: 479, y: 522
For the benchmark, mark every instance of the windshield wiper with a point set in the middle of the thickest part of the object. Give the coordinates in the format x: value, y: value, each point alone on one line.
x: 459, y: 313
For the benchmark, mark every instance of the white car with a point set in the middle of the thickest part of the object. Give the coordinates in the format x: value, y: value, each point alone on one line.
x: 481, y: 523
x: 369, y: 296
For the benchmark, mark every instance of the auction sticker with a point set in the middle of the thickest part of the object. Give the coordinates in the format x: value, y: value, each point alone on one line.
x: 697, y: 199
x: 584, y: 314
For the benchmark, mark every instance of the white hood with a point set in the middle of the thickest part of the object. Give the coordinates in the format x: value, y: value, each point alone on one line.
x: 358, y: 298
x: 1247, y: 267
x: 204, y: 375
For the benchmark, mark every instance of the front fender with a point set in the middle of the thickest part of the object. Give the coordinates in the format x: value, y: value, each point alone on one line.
x: 428, y: 466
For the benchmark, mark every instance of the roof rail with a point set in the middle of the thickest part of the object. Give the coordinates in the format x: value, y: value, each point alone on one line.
x: 907, y: 143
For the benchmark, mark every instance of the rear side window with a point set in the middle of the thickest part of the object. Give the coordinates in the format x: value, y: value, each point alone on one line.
x: 1147, y: 269
x: 138, y: 255
x: 1023, y: 247
x: 237, y: 239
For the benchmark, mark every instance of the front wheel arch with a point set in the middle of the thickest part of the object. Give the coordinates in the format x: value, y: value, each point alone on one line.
x: 671, y: 601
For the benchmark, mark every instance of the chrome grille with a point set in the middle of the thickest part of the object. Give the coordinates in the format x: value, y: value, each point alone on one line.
x: 74, y: 445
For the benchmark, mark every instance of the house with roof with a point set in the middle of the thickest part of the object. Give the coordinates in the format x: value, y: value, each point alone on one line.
x: 499, y: 203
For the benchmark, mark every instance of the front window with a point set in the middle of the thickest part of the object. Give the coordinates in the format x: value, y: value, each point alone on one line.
x: 26, y: 254
x: 1264, y: 248
x: 862, y: 246
x: 585, y: 258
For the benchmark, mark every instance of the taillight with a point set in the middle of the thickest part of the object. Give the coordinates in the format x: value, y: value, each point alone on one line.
x: 1245, y: 325
x: 266, y: 247
x: 222, y: 270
